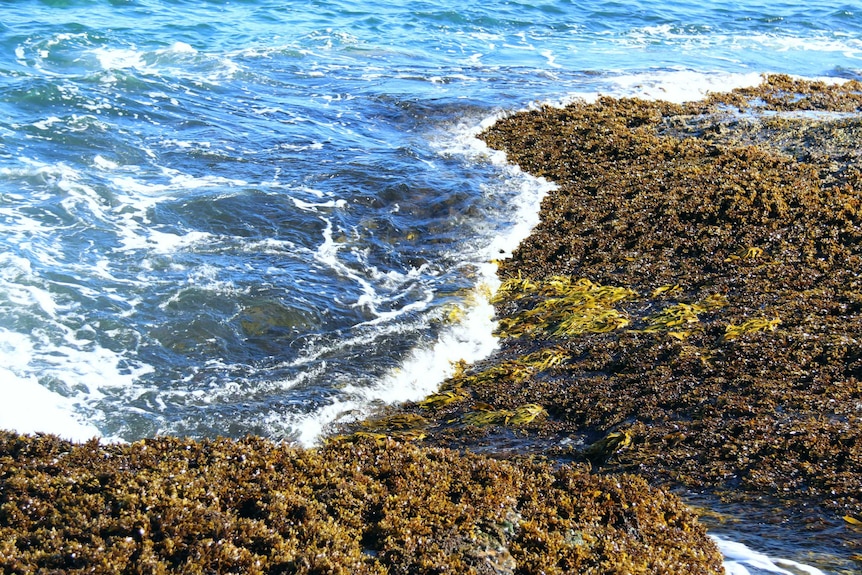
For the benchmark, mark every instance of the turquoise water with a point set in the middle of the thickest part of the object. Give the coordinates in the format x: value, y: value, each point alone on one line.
x: 221, y: 218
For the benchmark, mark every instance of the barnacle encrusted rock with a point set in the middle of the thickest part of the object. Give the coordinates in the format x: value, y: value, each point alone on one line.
x: 362, y: 506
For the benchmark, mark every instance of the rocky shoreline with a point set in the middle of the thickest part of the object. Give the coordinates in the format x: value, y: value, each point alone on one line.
x: 689, y: 308
x: 686, y: 316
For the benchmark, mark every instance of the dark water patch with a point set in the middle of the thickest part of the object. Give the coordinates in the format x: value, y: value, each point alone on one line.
x: 810, y: 536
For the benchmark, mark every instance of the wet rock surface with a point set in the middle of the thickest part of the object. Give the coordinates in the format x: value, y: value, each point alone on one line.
x: 363, y: 506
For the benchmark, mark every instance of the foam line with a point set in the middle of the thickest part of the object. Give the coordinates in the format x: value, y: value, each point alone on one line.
x: 740, y: 559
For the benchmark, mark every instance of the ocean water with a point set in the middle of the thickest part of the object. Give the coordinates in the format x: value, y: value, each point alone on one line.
x: 221, y: 218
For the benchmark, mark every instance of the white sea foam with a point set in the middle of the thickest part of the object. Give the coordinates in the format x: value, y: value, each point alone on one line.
x: 419, y: 375
x: 178, y: 48
x: 104, y: 163
x: 740, y: 559
x: 371, y: 281
x: 119, y: 58
x: 54, y: 414
x: 52, y: 376
x: 700, y: 40
x: 471, y: 338
x: 848, y: 47
x: 130, y: 219
x: 46, y: 123
x: 157, y: 242
x: 327, y: 254
x: 30, y: 407
x: 682, y: 85
x: 312, y: 206
x: 180, y: 60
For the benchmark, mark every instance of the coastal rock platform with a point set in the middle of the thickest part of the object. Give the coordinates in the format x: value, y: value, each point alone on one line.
x: 689, y: 308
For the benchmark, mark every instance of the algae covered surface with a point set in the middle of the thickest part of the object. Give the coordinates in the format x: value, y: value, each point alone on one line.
x: 365, y: 506
x: 737, y: 221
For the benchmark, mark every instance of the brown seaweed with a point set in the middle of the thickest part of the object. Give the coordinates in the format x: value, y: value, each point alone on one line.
x: 251, y: 506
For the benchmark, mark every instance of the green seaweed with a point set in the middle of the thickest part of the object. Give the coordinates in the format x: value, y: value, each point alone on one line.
x: 564, y: 308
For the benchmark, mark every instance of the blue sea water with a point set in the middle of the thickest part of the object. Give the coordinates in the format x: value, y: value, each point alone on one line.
x: 257, y: 216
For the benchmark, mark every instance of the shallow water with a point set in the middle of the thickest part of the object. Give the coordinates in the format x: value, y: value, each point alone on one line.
x: 246, y: 217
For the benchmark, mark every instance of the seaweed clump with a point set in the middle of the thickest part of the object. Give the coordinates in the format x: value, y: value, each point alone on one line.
x: 252, y: 506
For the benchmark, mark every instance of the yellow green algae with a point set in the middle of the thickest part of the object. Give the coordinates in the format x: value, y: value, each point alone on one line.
x: 729, y: 360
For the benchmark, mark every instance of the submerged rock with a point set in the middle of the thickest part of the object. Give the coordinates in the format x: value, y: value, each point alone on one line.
x: 252, y: 506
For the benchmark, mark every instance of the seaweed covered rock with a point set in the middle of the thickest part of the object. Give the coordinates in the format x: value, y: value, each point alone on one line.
x: 737, y: 221
x: 252, y: 506
x: 689, y: 307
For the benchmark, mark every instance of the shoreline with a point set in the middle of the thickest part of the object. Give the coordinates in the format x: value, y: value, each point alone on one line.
x: 650, y: 341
